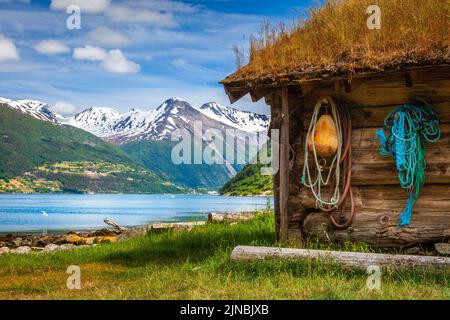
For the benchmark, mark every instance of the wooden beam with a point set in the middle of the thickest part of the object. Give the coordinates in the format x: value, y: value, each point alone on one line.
x: 284, y: 164
x: 301, y: 79
x: 257, y: 94
x: 408, y: 80
x: 234, y: 94
x: 275, y: 124
x: 354, y: 260
x: 306, y: 88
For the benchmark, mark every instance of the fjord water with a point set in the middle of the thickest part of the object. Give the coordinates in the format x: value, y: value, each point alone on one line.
x: 64, y: 212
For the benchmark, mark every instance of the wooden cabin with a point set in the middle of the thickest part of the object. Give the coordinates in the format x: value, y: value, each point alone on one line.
x: 369, y: 94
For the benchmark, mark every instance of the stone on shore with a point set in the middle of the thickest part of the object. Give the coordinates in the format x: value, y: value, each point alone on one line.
x: 67, y: 246
x: 51, y: 247
x: 132, y: 233
x: 74, y: 239
x: 21, y: 250
x: 17, y: 242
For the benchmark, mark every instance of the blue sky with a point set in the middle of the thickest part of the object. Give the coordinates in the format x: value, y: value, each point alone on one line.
x: 128, y: 54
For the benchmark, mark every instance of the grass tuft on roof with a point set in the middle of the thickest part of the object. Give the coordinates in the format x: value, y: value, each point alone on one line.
x: 334, y: 40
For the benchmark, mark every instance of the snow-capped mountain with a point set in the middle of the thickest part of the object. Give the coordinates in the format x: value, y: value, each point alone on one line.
x: 153, y: 124
x: 243, y: 120
x: 37, y: 109
x: 160, y: 123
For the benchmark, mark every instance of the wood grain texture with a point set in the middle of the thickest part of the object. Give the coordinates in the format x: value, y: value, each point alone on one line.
x: 373, y: 116
x: 390, y: 90
x: 371, y: 168
x: 377, y: 211
x: 352, y: 260
x: 284, y: 164
x: 379, y: 197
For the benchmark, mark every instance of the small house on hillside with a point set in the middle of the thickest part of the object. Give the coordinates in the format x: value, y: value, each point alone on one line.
x: 334, y: 57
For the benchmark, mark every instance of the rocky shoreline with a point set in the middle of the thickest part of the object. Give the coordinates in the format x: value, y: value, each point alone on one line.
x: 52, y: 242
x: 23, y: 244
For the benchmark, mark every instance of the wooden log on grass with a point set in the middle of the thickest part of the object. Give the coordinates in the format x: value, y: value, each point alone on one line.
x: 356, y: 260
x: 230, y: 216
x: 175, y: 226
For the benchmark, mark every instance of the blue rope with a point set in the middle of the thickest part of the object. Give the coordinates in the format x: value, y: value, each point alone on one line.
x: 409, y: 126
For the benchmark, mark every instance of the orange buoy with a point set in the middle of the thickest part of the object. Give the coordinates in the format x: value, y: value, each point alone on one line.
x: 325, y: 137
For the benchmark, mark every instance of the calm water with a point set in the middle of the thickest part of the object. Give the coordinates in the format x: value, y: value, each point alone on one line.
x: 25, y: 213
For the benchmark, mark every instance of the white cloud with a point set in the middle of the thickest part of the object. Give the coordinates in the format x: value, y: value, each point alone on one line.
x: 51, y: 47
x: 90, y: 53
x: 144, y: 16
x: 116, y: 62
x: 108, y: 37
x: 112, y: 61
x: 8, y: 50
x: 88, y: 6
x: 64, y: 108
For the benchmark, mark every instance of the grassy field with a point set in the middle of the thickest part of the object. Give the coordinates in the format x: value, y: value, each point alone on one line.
x: 196, y: 265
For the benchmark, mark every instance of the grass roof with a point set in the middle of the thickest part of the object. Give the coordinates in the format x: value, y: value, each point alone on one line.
x: 334, y: 40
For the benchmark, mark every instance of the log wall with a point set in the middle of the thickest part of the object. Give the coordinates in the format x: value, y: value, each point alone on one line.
x: 379, y: 197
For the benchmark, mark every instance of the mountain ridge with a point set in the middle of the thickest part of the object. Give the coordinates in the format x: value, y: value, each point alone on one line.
x: 39, y: 156
x: 145, y: 135
x: 158, y: 124
x: 153, y: 124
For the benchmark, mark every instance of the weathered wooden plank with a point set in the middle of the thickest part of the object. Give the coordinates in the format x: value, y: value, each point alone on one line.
x: 257, y: 94
x: 356, y: 260
x: 284, y: 164
x: 370, y: 168
x: 433, y: 198
x: 373, y: 116
x: 275, y: 124
x: 365, y: 230
x: 377, y: 211
x: 234, y: 94
x: 366, y: 139
x: 391, y: 90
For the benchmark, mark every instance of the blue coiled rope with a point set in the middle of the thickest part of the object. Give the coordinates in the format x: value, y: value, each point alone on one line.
x: 409, y: 126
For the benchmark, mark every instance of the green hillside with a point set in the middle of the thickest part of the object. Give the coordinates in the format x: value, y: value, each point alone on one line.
x: 156, y: 156
x: 248, y: 182
x: 27, y: 144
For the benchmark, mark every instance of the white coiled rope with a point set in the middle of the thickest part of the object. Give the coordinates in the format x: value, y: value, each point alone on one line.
x: 319, y: 181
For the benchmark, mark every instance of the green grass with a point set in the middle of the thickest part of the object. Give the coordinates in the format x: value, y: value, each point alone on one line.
x: 196, y: 265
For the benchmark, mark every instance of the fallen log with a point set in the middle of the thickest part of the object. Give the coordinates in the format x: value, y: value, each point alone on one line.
x: 356, y: 260
x: 230, y: 216
x: 176, y: 225
x: 114, y: 225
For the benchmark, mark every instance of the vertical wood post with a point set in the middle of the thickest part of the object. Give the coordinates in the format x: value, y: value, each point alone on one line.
x: 275, y: 124
x: 284, y: 164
